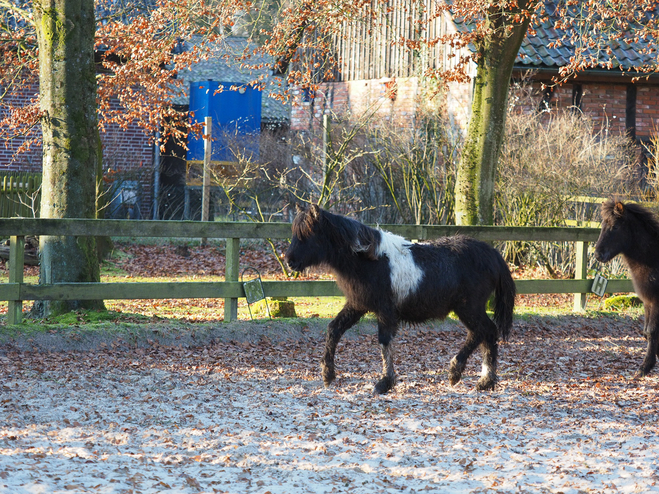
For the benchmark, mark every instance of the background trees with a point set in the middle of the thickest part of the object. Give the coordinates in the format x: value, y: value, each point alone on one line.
x: 492, y: 31
x: 64, y: 30
x: 84, y: 55
x: 93, y: 54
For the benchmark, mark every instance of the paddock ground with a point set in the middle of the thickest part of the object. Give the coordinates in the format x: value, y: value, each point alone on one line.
x: 241, y: 409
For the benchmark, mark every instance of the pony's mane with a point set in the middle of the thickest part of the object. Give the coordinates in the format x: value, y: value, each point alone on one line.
x: 303, y: 223
x: 339, y: 230
x: 611, y: 210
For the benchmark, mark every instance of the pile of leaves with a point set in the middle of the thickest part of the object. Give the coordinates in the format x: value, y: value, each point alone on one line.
x: 248, y: 413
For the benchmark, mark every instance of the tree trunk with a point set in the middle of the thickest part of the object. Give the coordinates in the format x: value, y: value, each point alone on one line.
x: 71, y: 142
x: 474, y: 190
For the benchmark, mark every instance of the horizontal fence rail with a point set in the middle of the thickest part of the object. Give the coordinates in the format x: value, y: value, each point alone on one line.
x: 15, y: 291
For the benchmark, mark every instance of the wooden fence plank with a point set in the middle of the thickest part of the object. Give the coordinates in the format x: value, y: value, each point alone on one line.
x: 15, y: 291
x: 221, y: 289
x: 581, y: 273
x: 211, y: 229
x: 231, y: 273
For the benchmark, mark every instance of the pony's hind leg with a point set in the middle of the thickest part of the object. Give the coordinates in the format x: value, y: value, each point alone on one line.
x: 386, y: 333
x: 651, y: 330
x: 388, y: 379
x: 343, y: 321
x: 458, y: 363
x: 481, y: 330
x: 490, y: 351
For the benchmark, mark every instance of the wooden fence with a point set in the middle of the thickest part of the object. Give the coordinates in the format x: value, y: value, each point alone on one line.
x: 19, y: 194
x: 16, y: 291
x: 373, y: 47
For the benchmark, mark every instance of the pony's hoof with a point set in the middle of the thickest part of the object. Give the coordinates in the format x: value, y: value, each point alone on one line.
x: 328, y: 375
x: 383, y: 386
x: 486, y: 384
x: 644, y: 370
x: 454, y: 372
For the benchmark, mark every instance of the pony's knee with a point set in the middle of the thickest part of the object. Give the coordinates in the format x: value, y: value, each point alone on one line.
x: 386, y: 336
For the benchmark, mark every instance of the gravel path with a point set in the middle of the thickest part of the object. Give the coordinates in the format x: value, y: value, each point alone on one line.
x: 248, y: 414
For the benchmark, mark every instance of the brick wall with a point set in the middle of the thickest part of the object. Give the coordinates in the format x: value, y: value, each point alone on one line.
x: 606, y: 104
x: 126, y: 153
x: 458, y: 104
x: 29, y: 161
x: 647, y: 111
x: 392, y: 100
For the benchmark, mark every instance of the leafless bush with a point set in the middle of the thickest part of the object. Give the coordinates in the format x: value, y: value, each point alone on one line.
x: 548, y: 162
x: 417, y: 166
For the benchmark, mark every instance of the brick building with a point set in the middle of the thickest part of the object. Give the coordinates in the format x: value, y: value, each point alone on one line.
x: 607, y: 96
x: 129, y: 155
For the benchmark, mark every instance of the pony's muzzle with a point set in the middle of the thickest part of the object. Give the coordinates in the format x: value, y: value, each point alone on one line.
x: 603, y: 257
x: 293, y: 263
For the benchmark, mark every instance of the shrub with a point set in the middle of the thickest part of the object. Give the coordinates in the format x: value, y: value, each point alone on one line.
x: 549, y: 161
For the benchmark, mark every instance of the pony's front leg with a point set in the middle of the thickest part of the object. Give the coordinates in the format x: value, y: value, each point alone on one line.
x: 386, y: 333
x: 344, y: 320
x: 651, y: 331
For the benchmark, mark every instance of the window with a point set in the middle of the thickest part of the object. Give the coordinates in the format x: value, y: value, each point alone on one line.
x: 577, y: 97
x: 630, y: 111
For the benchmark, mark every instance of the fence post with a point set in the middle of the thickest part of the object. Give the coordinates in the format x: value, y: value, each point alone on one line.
x: 16, y: 261
x: 581, y: 273
x: 231, y: 269
x: 206, y: 183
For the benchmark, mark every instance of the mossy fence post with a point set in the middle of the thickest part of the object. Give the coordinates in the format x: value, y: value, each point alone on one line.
x: 231, y: 272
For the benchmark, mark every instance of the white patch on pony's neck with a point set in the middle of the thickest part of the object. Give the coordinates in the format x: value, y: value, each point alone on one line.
x: 405, y: 274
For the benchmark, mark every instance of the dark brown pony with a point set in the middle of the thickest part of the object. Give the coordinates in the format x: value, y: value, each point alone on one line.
x: 633, y: 231
x: 399, y: 281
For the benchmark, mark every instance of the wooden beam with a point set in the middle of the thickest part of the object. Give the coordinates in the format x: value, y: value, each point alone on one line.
x: 234, y: 289
x: 196, y: 229
x: 581, y: 273
x: 231, y: 274
x: 16, y: 265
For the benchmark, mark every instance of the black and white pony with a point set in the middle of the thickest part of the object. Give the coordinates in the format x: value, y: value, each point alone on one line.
x: 399, y: 281
x: 633, y: 231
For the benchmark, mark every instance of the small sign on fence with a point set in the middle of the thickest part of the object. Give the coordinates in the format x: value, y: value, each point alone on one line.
x: 599, y: 285
x: 254, y: 290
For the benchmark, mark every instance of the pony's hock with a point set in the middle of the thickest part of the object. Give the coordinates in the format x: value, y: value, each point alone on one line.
x: 398, y: 281
x: 633, y: 231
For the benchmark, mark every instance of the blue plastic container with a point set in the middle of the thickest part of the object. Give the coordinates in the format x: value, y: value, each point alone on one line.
x: 236, y: 118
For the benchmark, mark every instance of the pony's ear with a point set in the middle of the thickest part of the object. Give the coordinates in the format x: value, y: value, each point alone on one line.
x: 619, y: 209
x: 298, y: 208
x: 315, y: 211
x: 366, y: 245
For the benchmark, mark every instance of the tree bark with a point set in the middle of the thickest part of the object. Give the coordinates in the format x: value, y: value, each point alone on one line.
x: 71, y: 142
x: 474, y: 190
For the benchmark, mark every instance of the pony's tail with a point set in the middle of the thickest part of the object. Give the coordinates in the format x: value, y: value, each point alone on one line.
x: 504, y: 301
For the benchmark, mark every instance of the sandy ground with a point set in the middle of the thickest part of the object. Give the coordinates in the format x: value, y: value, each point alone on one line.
x: 241, y: 409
